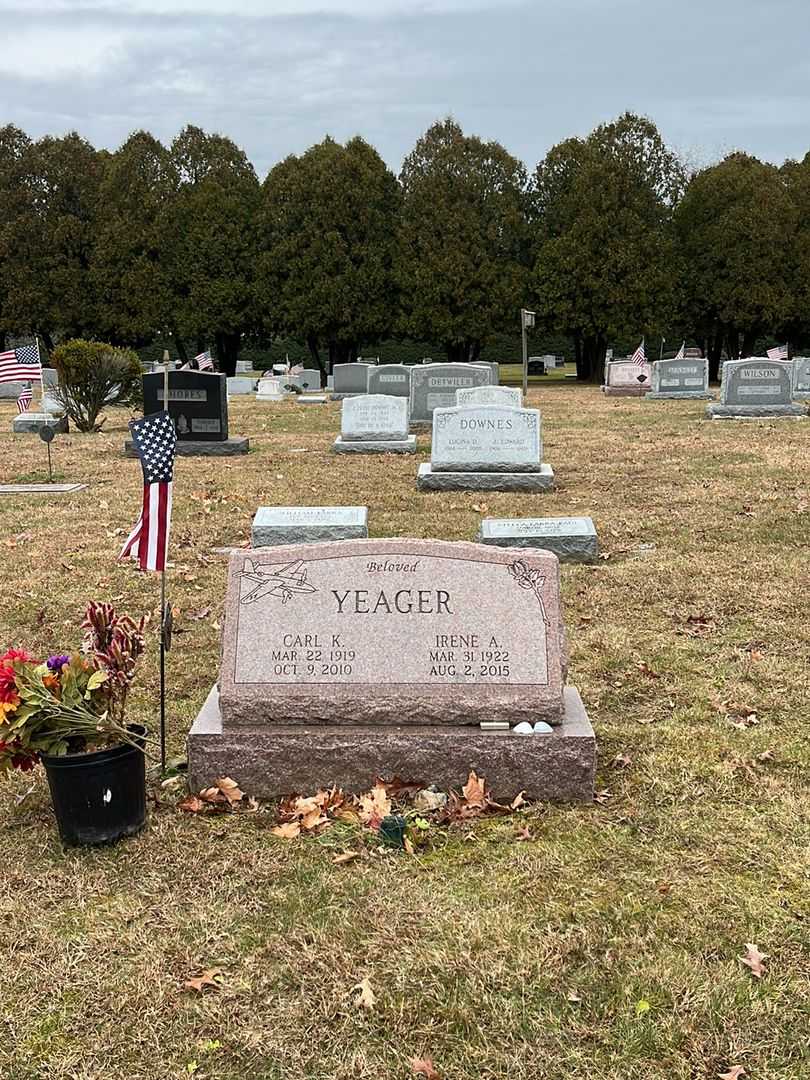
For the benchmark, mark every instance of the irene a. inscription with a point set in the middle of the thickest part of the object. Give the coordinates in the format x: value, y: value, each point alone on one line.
x: 356, y: 629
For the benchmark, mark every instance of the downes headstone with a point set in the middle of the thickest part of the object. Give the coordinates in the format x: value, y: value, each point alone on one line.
x: 486, y: 448
x: 364, y: 658
x: 756, y: 388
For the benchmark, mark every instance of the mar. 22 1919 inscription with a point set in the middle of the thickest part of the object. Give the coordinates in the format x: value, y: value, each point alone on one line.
x: 323, y: 620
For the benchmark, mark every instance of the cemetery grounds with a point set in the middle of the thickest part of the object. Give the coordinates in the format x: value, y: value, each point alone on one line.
x: 598, y: 942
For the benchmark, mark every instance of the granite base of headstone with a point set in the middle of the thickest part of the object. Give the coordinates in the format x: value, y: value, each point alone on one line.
x: 682, y: 379
x: 572, y: 539
x: 486, y: 448
x: 362, y: 658
x: 274, y: 525
x: 374, y: 424
x: 33, y: 423
x: 230, y: 447
x: 626, y: 378
x: 756, y: 389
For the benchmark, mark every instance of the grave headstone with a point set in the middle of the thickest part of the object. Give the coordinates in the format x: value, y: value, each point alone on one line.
x: 626, y: 378
x: 682, y: 378
x: 364, y: 658
x: 490, y: 395
x: 270, y: 388
x: 198, y: 405
x: 243, y: 366
x: 486, y: 448
x: 394, y: 380
x: 274, y: 525
x: 349, y: 379
x: 33, y: 422
x: 756, y: 387
x: 493, y: 366
x: 374, y: 424
x: 572, y: 539
x: 801, y: 378
x: 238, y: 386
x: 434, y: 386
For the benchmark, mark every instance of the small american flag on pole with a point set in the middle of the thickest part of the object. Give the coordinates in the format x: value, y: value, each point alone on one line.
x: 155, y: 440
x: 25, y: 399
x: 639, y: 356
x: 779, y: 353
x: 681, y: 353
x: 21, y: 364
x: 204, y: 361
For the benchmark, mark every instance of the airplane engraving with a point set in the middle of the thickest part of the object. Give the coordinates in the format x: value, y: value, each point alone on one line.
x: 282, y: 582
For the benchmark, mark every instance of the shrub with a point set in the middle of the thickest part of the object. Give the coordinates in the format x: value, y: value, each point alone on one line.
x: 93, y: 376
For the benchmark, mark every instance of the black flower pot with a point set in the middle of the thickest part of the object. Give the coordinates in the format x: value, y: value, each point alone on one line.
x: 98, y: 797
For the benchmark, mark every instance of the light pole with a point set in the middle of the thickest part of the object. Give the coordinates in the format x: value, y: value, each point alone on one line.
x: 526, y: 321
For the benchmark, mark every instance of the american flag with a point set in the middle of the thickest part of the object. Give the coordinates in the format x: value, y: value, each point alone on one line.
x: 204, y: 361
x: 779, y: 353
x: 681, y: 353
x: 155, y: 440
x: 21, y: 364
x: 639, y: 356
x: 25, y: 399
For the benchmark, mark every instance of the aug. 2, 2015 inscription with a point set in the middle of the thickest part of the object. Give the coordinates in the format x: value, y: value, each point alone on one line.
x: 391, y: 620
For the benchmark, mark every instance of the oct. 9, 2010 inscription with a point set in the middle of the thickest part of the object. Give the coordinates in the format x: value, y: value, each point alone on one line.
x: 383, y: 626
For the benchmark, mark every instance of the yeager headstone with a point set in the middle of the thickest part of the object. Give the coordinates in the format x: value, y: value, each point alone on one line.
x: 198, y: 404
x: 374, y: 424
x: 678, y: 379
x: 434, y: 386
x: 756, y: 388
x: 366, y: 658
x: 486, y: 448
x: 625, y: 378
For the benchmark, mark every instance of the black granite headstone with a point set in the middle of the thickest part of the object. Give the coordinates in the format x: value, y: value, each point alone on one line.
x: 198, y: 403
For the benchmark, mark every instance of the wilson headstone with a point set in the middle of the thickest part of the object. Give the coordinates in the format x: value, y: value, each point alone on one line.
x: 756, y: 388
x: 364, y: 658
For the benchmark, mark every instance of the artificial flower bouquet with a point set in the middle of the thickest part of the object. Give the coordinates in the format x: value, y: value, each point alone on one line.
x: 69, y: 704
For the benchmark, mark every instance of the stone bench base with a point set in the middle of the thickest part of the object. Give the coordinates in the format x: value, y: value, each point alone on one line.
x: 674, y: 395
x: 34, y: 422
x: 270, y: 761
x: 428, y: 480
x: 625, y: 391
x: 192, y: 448
x: 756, y: 412
x: 375, y: 446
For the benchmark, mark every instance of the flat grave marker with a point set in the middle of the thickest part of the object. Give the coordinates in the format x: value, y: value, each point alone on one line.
x: 273, y: 525
x: 572, y: 539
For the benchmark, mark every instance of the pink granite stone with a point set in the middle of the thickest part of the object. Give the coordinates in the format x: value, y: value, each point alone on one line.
x: 381, y: 632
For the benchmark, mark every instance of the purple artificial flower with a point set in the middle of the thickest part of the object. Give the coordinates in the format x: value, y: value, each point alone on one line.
x: 56, y: 663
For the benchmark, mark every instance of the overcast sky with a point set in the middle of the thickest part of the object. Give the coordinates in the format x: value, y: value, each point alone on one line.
x: 277, y: 75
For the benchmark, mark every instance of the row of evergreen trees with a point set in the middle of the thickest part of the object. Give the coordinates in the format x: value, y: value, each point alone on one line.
x: 609, y: 238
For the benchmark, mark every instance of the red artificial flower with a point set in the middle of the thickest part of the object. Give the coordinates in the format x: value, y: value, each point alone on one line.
x: 9, y: 698
x: 24, y: 760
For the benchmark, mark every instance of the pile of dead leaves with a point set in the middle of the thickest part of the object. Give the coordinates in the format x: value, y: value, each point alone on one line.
x: 224, y: 794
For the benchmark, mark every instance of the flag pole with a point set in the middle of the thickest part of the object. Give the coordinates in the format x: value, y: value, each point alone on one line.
x: 163, y: 618
x: 661, y: 352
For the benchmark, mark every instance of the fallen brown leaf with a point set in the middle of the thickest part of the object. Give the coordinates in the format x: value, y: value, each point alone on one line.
x: 209, y: 977
x: 288, y: 831
x: 374, y: 806
x: 524, y: 833
x: 191, y: 804
x: 365, y: 996
x: 345, y: 857
x: 753, y: 959
x: 474, y: 792
x: 424, y: 1067
x: 621, y: 761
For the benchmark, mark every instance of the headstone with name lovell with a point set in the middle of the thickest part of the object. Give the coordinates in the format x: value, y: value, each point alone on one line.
x: 363, y: 658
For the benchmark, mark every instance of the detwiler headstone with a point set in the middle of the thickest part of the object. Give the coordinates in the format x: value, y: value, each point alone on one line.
x: 572, y: 539
x: 434, y: 386
x: 364, y: 658
x: 756, y: 388
x: 274, y: 525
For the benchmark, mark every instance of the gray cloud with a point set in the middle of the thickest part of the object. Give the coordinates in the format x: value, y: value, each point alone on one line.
x: 277, y: 75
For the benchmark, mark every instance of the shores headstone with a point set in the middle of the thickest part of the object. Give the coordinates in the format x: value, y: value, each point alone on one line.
x: 364, y: 658
x: 275, y: 525
x: 572, y: 539
x: 374, y: 424
x: 486, y: 448
x: 686, y: 378
x: 434, y: 386
x: 198, y: 405
x: 756, y: 388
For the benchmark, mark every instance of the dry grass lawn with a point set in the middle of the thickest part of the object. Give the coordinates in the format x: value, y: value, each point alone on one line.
x: 604, y: 948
